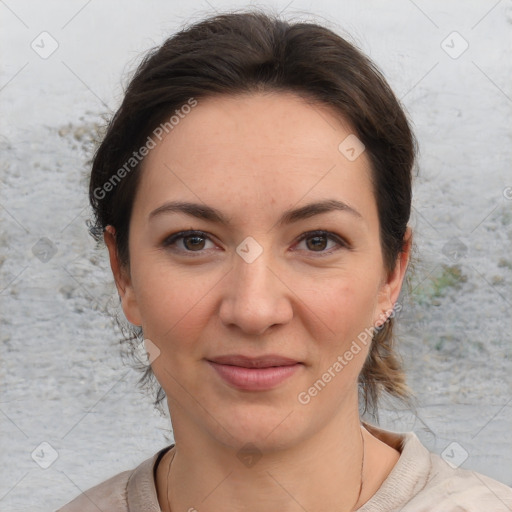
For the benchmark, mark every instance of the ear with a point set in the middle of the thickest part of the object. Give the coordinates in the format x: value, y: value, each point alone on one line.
x: 122, y: 279
x: 390, y: 288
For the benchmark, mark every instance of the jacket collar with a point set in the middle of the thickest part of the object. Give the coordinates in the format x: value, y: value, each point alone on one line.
x: 141, y: 488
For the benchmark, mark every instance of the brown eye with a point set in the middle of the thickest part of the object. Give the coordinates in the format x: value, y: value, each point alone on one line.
x: 316, y: 243
x: 322, y: 242
x: 188, y: 242
x: 194, y: 242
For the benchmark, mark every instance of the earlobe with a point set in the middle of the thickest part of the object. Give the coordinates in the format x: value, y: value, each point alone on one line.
x: 122, y: 279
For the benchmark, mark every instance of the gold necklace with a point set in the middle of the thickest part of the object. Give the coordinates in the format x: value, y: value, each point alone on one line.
x: 352, y: 509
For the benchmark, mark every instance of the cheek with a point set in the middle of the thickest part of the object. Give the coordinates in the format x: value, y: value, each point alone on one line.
x: 174, y: 314
x: 346, y: 311
x: 176, y: 307
x: 347, y: 306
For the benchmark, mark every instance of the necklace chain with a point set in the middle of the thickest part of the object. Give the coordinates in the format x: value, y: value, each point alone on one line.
x: 352, y: 508
x: 362, y: 471
x: 168, y: 473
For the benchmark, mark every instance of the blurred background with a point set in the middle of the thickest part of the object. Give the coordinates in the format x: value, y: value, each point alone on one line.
x: 71, y: 414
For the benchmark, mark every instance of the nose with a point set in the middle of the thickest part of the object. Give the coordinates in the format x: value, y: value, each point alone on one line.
x: 257, y: 296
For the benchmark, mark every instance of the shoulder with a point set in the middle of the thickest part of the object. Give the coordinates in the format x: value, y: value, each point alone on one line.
x: 460, y: 489
x: 422, y: 481
x: 130, y: 490
x: 109, y: 495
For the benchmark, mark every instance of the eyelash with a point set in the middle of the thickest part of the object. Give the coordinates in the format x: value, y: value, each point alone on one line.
x: 172, y: 239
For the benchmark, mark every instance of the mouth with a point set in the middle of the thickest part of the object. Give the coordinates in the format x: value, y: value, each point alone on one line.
x: 254, y: 373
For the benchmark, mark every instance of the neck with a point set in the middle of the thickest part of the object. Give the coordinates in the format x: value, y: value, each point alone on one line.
x: 315, y: 474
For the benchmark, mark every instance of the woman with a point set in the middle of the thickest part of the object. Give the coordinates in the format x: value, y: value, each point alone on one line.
x: 254, y: 190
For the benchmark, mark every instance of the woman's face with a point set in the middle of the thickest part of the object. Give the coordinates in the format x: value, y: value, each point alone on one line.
x: 287, y: 264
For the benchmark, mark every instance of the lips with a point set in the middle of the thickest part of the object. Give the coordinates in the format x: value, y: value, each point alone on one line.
x: 254, y: 362
x: 254, y: 373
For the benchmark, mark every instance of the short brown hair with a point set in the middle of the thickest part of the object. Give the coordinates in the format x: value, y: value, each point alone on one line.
x: 244, y: 52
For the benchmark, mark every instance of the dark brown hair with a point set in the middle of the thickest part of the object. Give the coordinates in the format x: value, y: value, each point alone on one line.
x: 246, y: 52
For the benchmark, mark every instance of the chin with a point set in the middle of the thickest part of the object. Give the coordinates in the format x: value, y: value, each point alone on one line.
x: 268, y: 427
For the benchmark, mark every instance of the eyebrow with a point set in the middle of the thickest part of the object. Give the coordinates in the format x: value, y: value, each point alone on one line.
x: 202, y: 211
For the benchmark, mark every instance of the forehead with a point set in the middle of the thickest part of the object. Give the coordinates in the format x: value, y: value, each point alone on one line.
x: 272, y: 121
x: 248, y: 146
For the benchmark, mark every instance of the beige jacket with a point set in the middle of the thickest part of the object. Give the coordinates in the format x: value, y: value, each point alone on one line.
x: 420, y: 482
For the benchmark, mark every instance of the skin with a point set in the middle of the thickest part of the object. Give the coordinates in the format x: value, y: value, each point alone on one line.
x: 252, y: 157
